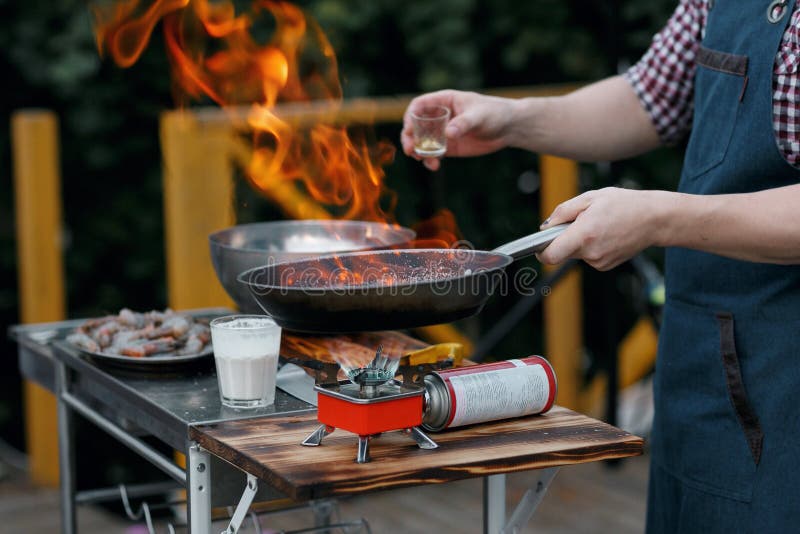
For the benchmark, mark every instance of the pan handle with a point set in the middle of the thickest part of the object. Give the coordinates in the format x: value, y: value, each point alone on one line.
x: 531, y: 244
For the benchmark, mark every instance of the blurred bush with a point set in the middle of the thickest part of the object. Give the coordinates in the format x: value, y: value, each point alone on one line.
x: 109, y: 129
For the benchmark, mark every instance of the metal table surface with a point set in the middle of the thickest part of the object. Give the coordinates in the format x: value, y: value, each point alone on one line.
x: 128, y: 404
x: 166, y: 403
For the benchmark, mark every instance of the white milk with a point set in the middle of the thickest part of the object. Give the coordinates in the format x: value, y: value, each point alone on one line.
x: 246, y: 353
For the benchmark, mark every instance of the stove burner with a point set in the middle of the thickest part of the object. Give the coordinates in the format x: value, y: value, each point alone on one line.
x: 380, y: 371
x: 372, y: 402
x: 369, y: 380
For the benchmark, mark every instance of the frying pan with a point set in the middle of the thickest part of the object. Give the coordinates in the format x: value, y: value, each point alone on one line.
x: 385, y: 290
x: 246, y: 246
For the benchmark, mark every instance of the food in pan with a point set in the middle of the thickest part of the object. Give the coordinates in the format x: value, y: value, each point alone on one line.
x: 139, y: 335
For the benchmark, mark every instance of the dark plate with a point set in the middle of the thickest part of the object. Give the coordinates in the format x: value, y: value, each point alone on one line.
x: 156, y: 361
x: 163, y: 361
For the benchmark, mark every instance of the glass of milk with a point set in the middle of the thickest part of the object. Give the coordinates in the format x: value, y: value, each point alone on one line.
x: 246, y: 354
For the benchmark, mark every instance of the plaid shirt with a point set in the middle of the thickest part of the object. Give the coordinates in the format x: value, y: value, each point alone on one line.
x: 664, y: 78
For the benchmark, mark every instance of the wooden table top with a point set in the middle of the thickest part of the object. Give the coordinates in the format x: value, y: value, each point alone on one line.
x: 270, y: 449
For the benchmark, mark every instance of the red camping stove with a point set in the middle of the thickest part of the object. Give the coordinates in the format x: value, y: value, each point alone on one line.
x: 373, y: 402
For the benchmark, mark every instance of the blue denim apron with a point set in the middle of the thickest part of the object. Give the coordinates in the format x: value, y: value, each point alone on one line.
x: 726, y: 435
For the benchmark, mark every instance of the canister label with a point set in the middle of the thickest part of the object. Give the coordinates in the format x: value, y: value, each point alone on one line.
x: 513, y: 391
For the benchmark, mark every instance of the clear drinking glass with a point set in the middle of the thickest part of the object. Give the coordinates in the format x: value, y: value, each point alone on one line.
x: 246, y: 355
x: 428, y: 125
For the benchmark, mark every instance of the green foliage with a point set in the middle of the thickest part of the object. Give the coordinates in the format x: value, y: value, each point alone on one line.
x: 109, y: 131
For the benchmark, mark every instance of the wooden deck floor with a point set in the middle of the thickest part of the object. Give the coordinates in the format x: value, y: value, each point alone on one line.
x: 586, y: 498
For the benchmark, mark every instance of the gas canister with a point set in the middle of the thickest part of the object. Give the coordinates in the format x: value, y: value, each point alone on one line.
x: 488, y: 392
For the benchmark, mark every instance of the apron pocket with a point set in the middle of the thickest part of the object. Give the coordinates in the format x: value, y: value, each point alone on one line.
x: 697, y: 434
x: 721, y: 61
x: 736, y: 392
x: 721, y: 80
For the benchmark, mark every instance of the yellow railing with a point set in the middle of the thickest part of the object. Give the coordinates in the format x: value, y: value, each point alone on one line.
x: 37, y: 191
x: 563, y: 312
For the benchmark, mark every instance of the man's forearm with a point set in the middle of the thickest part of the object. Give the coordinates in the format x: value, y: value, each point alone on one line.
x: 600, y: 122
x: 762, y: 226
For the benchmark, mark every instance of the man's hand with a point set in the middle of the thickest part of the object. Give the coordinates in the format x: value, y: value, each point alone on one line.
x: 478, y: 125
x: 610, y: 226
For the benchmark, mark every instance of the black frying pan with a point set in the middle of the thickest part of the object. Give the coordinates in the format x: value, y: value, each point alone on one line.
x: 385, y: 290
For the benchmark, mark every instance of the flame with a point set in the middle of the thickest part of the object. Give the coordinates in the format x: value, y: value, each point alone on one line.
x: 214, y: 54
x: 127, y: 38
x: 439, y: 231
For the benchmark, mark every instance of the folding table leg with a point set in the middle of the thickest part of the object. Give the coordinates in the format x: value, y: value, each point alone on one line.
x: 66, y: 453
x: 494, y: 503
x: 242, y: 508
x: 323, y: 513
x: 198, y: 478
x: 530, y: 501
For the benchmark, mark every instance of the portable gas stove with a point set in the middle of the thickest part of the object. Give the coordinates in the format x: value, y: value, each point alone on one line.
x: 370, y: 403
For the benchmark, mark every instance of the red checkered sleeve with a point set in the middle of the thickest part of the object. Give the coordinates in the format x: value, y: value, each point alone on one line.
x: 663, y: 78
x: 786, y: 93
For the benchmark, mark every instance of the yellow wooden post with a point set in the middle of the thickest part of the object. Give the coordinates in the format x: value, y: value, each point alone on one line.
x: 37, y: 188
x: 637, y: 352
x: 198, y: 200
x: 563, y: 322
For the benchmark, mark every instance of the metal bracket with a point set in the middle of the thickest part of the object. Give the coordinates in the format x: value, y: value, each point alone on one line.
x: 198, y: 475
x: 324, y: 511
x: 66, y: 451
x: 529, y: 502
x: 315, y: 438
x: 137, y: 445
x: 422, y: 439
x: 239, y: 514
x: 362, y: 456
x: 412, y: 374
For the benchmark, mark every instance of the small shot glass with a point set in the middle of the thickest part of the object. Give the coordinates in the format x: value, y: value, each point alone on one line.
x: 428, y: 124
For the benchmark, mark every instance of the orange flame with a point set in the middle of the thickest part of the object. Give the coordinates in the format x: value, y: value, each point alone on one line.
x: 214, y: 54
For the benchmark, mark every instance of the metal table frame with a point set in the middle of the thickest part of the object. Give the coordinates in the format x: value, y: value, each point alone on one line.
x: 123, y: 406
x: 494, y: 502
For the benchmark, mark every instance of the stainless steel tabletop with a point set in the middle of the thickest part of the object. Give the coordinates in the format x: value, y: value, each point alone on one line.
x: 164, y: 403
